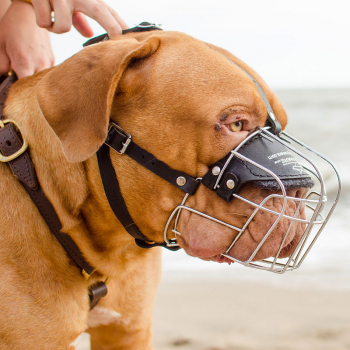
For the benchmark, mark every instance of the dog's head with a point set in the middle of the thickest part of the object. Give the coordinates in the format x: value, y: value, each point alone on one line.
x: 189, y: 106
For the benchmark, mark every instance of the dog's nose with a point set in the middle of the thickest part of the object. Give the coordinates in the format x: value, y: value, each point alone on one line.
x: 298, y: 192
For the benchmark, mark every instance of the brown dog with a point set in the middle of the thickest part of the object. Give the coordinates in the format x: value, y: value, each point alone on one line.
x: 170, y: 92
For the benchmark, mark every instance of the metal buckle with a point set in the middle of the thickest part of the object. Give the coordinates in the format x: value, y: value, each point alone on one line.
x: 24, y: 147
x: 124, y: 133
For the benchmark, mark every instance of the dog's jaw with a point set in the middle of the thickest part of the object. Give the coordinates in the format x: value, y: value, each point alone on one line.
x: 208, y: 240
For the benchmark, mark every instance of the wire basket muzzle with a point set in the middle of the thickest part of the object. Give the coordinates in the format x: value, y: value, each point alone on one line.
x: 276, y: 163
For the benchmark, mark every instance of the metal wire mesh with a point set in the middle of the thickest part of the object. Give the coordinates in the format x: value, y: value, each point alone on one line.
x: 313, y: 219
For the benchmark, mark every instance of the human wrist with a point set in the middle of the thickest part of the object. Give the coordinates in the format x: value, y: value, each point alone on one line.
x: 20, y: 12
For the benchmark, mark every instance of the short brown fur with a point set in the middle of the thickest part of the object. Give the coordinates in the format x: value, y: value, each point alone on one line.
x: 169, y: 91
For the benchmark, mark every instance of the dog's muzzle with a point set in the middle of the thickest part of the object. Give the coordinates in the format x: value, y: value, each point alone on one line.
x: 276, y: 163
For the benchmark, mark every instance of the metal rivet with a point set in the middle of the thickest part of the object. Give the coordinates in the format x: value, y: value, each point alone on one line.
x: 216, y: 170
x: 230, y: 184
x: 181, y: 181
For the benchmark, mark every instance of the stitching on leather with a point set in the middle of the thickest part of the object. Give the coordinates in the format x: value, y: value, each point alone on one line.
x: 251, y: 171
x: 26, y: 176
x: 289, y: 175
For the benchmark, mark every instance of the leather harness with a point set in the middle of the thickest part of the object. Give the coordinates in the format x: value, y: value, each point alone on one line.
x: 15, y: 152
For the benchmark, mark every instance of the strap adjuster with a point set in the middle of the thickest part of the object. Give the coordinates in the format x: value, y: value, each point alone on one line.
x: 120, y: 132
x: 24, y: 147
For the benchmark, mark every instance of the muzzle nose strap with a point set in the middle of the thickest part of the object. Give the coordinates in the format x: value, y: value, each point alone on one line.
x: 270, y: 154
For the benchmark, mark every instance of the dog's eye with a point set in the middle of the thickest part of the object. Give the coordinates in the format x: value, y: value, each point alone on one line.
x: 236, y: 126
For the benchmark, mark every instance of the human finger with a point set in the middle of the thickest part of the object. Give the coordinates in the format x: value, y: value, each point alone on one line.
x: 98, y: 11
x: 42, y: 13
x: 115, y: 14
x: 63, y: 17
x: 82, y: 25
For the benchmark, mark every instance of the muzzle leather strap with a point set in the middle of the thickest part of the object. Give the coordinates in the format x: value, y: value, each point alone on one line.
x: 270, y: 154
x: 117, y: 203
x: 122, y: 143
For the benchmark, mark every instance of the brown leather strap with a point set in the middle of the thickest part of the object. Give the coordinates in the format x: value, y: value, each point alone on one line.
x: 96, y: 292
x: 23, y: 168
x: 4, y: 87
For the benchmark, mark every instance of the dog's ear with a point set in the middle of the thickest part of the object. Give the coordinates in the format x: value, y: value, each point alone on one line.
x: 76, y: 96
x: 275, y: 103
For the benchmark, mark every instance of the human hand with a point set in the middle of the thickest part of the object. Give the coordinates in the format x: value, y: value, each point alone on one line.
x: 24, y: 46
x: 68, y: 12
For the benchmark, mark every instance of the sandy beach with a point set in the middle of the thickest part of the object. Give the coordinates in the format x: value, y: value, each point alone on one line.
x: 213, y: 314
x: 229, y: 315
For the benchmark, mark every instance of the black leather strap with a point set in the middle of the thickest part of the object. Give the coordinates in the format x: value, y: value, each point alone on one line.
x: 142, y: 27
x: 116, y: 139
x: 114, y: 196
x: 6, y: 83
x: 117, y: 203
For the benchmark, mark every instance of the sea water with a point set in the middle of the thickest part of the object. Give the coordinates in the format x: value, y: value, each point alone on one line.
x: 321, y: 119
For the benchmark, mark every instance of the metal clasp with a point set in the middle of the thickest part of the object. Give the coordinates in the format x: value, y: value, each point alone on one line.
x: 24, y: 147
x: 122, y: 132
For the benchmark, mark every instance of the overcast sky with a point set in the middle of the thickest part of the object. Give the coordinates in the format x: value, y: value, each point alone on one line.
x: 290, y: 43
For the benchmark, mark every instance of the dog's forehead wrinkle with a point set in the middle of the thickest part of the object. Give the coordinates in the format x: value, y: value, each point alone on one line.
x: 224, y: 116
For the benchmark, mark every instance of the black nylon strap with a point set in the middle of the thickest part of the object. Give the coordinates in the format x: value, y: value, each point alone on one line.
x: 116, y: 201
x: 117, y: 138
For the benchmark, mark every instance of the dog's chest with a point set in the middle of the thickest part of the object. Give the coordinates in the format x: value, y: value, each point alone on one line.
x: 102, y: 316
